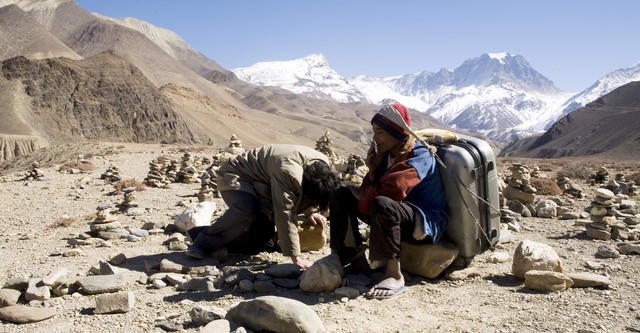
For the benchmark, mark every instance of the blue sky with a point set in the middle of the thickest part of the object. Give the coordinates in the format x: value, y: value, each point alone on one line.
x: 571, y: 42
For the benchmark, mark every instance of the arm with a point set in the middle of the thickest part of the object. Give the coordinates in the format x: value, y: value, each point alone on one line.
x: 395, y: 184
x: 285, y: 192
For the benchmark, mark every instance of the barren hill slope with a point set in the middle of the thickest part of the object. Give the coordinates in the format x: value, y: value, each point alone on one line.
x: 605, y: 128
x: 99, y: 98
x: 21, y: 35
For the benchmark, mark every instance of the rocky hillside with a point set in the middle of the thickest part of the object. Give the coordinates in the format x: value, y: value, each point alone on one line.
x: 606, y: 128
x: 99, y: 98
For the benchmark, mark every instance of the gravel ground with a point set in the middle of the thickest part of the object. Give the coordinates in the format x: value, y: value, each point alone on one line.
x: 496, y: 301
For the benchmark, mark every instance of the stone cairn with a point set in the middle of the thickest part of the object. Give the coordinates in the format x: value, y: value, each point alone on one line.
x: 128, y: 200
x: 600, y: 177
x: 568, y: 186
x: 171, y: 170
x: 516, y: 197
x: 325, y: 146
x: 188, y: 172
x: 235, y: 146
x: 104, y: 221
x: 536, y: 173
x: 356, y: 169
x: 35, y: 173
x: 112, y: 174
x: 621, y: 186
x: 519, y: 185
x: 161, y: 174
x: 156, y: 176
x: 612, y: 217
x: 209, y: 187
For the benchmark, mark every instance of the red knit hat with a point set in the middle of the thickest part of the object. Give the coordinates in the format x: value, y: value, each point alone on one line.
x: 388, y: 120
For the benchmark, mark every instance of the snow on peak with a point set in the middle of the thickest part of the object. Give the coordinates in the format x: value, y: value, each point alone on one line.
x: 499, y: 56
x: 310, y: 75
x: 316, y: 60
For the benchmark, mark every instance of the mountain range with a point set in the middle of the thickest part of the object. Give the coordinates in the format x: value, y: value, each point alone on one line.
x: 68, y: 75
x: 498, y: 95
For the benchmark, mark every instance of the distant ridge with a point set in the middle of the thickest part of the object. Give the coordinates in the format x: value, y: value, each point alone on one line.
x: 605, y: 128
x: 28, y: 39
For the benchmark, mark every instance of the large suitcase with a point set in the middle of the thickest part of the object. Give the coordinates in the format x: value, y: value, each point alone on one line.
x: 470, y: 179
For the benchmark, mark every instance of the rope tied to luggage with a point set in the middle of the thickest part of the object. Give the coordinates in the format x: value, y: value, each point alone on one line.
x: 448, y: 137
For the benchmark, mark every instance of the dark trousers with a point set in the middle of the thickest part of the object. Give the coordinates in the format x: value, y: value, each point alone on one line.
x: 391, y: 222
x: 241, y: 228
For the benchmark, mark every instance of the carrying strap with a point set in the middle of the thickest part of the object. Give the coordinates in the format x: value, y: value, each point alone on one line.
x: 395, y: 116
x: 443, y: 136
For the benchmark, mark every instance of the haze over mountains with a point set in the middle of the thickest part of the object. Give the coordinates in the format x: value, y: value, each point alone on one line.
x: 70, y: 75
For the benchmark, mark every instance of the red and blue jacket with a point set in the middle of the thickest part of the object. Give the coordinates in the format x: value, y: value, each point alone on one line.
x: 415, y: 181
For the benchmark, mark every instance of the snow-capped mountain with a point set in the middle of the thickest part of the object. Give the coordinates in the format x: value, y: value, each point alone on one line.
x: 602, y: 87
x: 492, y: 92
x: 310, y: 75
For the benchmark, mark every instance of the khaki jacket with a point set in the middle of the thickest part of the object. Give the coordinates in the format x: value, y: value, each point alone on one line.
x: 273, y: 174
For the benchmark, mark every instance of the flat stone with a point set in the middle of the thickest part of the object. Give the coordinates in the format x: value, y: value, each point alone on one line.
x: 115, y: 303
x: 22, y: 314
x: 99, y: 284
x: 604, y: 193
x: 588, y: 280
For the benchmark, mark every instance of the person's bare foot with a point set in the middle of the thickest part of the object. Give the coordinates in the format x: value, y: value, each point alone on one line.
x: 387, y: 288
x: 393, y: 283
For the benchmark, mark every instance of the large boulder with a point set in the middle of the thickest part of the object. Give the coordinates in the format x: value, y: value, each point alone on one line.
x: 276, y: 314
x: 530, y: 255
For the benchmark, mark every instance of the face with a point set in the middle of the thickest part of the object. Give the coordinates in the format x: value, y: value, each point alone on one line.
x: 384, y: 140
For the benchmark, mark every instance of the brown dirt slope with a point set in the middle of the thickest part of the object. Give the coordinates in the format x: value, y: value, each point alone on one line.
x: 100, y: 98
x: 28, y: 38
x: 606, y: 128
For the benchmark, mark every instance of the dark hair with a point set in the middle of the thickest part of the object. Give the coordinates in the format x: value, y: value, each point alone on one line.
x: 318, y: 180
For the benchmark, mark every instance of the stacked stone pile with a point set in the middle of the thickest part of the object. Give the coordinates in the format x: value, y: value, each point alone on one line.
x: 612, y: 217
x: 209, y: 187
x: 620, y: 185
x: 156, y: 176
x: 35, y: 173
x: 516, y: 198
x: 112, y: 174
x: 129, y: 199
x: 519, y: 185
x: 171, y: 170
x: 188, y: 172
x: 353, y: 169
x: 105, y: 227
x: 601, y: 176
x: 568, y: 186
x: 207, y: 193
x: 536, y: 173
x: 235, y: 146
x: 325, y: 146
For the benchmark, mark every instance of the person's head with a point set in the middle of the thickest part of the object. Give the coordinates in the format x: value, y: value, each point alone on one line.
x: 388, y: 132
x: 318, y: 180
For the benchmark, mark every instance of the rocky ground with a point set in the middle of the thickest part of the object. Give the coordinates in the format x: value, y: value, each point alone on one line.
x: 39, y: 218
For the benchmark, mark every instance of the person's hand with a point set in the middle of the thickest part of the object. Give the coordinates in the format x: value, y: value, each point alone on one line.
x: 374, y: 158
x: 318, y: 219
x: 303, y: 263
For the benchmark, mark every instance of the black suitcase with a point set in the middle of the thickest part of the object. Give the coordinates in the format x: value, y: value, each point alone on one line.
x: 470, y: 179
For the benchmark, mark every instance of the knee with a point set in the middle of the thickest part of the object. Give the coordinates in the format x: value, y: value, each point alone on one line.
x: 380, y: 205
x: 380, y: 210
